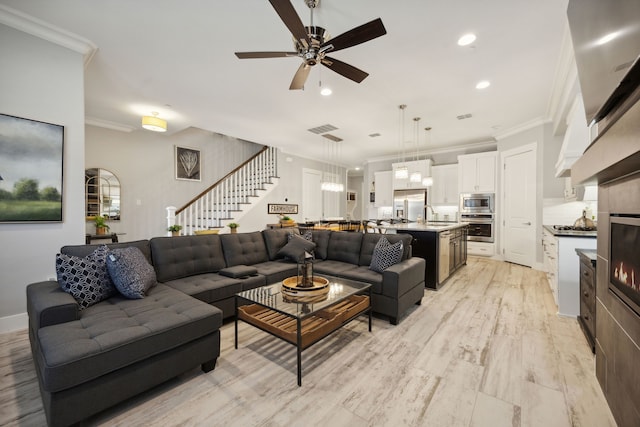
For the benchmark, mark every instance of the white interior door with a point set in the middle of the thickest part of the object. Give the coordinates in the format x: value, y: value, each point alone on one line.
x: 311, y: 195
x: 519, y: 202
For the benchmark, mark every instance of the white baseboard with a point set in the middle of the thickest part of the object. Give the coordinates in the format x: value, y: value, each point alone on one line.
x: 13, y: 323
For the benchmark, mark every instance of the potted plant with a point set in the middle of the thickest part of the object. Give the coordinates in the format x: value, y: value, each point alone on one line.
x: 233, y: 226
x: 175, y: 229
x: 284, y: 219
x: 101, y: 225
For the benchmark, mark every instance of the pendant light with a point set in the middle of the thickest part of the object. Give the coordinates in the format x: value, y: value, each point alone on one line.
x: 402, y: 172
x: 416, y: 176
x: 427, y: 181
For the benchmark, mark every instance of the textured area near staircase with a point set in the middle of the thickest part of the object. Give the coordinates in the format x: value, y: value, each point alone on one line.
x: 486, y: 350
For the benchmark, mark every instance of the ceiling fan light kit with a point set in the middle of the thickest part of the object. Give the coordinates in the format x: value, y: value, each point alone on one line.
x: 312, y: 43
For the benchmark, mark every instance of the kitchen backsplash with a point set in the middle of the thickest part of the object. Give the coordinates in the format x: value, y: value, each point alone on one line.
x: 559, y: 212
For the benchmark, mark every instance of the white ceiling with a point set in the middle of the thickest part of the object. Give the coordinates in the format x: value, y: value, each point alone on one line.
x: 177, y: 58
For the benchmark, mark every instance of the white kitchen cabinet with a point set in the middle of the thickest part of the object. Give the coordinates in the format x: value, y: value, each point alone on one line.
x: 477, y: 172
x: 481, y: 249
x: 562, y: 265
x: 384, y: 189
x: 423, y: 167
x: 445, y: 185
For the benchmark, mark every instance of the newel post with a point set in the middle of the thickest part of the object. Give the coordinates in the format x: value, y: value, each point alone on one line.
x: 171, y: 217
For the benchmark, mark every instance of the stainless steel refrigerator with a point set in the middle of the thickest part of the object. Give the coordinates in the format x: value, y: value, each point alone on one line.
x: 409, y: 204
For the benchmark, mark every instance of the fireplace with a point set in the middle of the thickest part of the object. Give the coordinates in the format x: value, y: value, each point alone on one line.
x: 624, y: 264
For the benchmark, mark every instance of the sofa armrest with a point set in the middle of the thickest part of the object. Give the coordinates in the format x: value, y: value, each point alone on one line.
x: 47, y: 305
x: 401, y: 277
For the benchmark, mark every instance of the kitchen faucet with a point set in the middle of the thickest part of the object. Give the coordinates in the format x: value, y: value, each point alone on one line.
x: 433, y: 214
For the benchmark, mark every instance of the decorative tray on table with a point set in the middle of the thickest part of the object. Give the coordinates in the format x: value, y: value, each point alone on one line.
x: 292, y: 292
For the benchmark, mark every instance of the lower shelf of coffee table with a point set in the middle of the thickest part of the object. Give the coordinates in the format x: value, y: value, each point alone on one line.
x: 313, y: 328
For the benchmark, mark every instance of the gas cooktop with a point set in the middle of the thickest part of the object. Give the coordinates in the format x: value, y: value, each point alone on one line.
x: 572, y: 228
x: 570, y: 231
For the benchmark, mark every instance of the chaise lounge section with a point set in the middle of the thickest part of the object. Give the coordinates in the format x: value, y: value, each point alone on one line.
x: 90, y: 359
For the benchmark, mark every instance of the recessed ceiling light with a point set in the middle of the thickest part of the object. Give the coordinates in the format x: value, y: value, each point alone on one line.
x: 357, y: 168
x: 466, y: 40
x: 483, y: 84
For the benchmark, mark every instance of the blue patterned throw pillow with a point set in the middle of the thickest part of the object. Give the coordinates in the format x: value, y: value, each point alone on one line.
x: 385, y: 255
x: 131, y: 273
x: 86, y: 279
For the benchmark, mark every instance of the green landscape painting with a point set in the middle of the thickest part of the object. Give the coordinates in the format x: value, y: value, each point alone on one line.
x: 31, y: 154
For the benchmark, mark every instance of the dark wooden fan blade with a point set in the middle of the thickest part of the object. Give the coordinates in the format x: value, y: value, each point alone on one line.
x: 251, y: 55
x: 288, y: 14
x: 344, y: 69
x: 355, y: 36
x: 301, y: 77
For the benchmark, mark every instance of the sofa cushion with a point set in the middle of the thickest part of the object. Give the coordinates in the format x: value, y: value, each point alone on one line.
x: 176, y: 257
x: 119, y: 332
x: 344, y: 246
x: 244, y: 248
x: 275, y: 239
x: 364, y: 274
x: 321, y: 239
x: 369, y: 241
x: 86, y: 279
x: 275, y: 271
x: 84, y: 250
x: 208, y: 287
x: 132, y: 275
x: 296, y: 248
x: 385, y: 255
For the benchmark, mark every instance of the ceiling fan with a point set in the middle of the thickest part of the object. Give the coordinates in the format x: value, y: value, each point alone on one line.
x: 313, y: 43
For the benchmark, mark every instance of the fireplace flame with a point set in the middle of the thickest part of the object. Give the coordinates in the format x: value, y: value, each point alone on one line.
x: 621, y: 275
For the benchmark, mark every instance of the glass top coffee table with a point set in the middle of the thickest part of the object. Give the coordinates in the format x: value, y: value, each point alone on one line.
x: 303, y: 320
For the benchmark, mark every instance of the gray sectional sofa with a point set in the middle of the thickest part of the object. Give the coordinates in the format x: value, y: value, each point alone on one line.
x: 88, y: 360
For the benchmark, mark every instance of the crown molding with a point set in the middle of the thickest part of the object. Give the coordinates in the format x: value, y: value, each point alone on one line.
x: 522, y: 127
x: 489, y: 145
x: 94, y: 121
x: 36, y: 27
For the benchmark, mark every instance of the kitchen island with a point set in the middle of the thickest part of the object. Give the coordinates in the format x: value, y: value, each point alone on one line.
x: 442, y: 244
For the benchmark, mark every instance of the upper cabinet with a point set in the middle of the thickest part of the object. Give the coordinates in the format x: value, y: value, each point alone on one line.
x: 445, y: 185
x: 477, y: 172
x: 414, y: 169
x: 384, y: 189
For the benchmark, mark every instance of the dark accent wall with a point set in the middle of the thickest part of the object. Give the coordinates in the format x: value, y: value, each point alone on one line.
x: 617, y: 326
x: 613, y: 160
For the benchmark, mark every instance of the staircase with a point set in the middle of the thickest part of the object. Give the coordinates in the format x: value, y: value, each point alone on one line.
x: 229, y: 198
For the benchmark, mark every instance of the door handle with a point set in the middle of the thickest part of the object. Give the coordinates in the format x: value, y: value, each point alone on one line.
x: 526, y: 223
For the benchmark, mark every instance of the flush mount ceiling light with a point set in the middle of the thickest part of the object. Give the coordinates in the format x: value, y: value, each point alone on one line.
x: 483, y: 84
x: 154, y: 123
x: 467, y: 39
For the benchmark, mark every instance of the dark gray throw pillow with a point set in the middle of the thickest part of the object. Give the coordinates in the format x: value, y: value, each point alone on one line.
x: 86, y: 279
x: 385, y: 255
x: 131, y: 273
x: 296, y: 248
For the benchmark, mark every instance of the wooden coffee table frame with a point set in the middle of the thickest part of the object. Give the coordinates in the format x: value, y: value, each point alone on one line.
x: 303, y: 331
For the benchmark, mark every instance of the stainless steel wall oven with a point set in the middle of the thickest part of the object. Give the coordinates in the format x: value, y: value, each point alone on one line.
x: 478, y: 210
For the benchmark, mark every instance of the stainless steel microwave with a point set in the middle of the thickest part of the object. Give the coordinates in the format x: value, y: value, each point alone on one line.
x: 476, y: 203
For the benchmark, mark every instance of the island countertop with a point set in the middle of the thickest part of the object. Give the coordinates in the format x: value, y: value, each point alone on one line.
x: 435, y: 227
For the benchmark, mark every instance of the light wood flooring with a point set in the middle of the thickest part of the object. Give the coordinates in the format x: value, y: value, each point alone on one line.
x: 486, y: 350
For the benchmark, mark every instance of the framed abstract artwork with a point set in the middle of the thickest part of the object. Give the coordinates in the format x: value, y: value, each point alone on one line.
x: 31, y: 168
x: 188, y: 163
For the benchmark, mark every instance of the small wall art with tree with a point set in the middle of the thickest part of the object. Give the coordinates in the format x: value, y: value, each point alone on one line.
x: 31, y: 154
x: 187, y: 163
